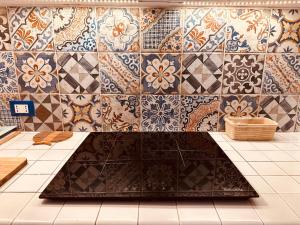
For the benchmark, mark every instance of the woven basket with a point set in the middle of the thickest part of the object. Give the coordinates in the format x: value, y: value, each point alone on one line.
x: 250, y: 129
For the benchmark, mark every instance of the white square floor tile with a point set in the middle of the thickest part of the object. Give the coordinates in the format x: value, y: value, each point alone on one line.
x: 39, y: 147
x: 237, y: 212
x: 293, y: 201
x: 11, y: 204
x: 43, y: 167
x: 296, y: 178
x: 273, y: 210
x: 197, y: 213
x: 265, y: 146
x: 118, y: 213
x: 291, y: 168
x: 245, y: 168
x: 9, y: 182
x: 287, y: 146
x: 259, y: 184
x: 24, y: 169
x: 11, y: 141
x: 50, y: 178
x: 253, y: 156
x: 267, y: 168
x: 38, y: 211
x: 243, y: 146
x: 234, y: 156
x: 19, y: 145
x: 27, y: 136
x: 162, y: 213
x: 225, y: 146
x: 33, y: 154
x: 283, y: 184
x: 217, y: 136
x: 56, y: 155
x: 78, y: 213
x: 10, y: 153
x: 27, y: 183
x: 294, y: 154
x: 276, y: 156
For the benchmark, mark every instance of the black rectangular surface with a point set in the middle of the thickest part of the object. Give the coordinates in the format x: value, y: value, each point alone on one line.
x: 148, y: 166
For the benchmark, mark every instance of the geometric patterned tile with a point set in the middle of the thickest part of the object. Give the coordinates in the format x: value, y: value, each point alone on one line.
x: 247, y: 30
x: 204, y: 29
x: 237, y: 106
x: 78, y: 73
x: 160, y: 73
x: 5, y: 116
x: 8, y: 80
x: 118, y: 29
x: 282, y: 109
x: 31, y: 28
x: 37, y: 72
x: 75, y: 29
x: 48, y: 114
x: 202, y: 73
x: 161, y: 30
x: 81, y: 112
x: 297, y: 128
x: 284, y: 31
x: 4, y: 34
x: 282, y: 74
x: 199, y: 113
x: 119, y: 73
x: 120, y: 113
x: 243, y: 73
x: 160, y: 112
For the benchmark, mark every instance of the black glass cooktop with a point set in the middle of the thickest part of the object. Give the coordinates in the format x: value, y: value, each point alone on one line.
x: 148, y: 166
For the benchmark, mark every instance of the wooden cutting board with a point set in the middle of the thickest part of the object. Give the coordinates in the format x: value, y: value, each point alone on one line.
x: 46, y: 138
x: 9, y: 166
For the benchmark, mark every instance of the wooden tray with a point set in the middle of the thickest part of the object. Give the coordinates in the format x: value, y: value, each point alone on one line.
x: 250, y: 129
x: 9, y: 166
x: 46, y: 138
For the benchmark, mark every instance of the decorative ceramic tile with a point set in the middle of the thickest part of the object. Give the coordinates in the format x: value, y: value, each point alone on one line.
x: 204, y: 29
x: 120, y: 113
x: 160, y: 73
x: 160, y: 112
x: 37, y: 72
x: 199, y: 113
x: 282, y: 109
x: 247, y: 30
x: 243, y: 74
x: 75, y: 29
x: 297, y: 128
x: 118, y: 29
x: 282, y: 74
x: 31, y: 28
x: 81, y: 112
x: 78, y: 73
x: 161, y: 31
x: 5, y: 116
x: 284, y: 30
x: 8, y: 80
x: 202, y: 73
x: 237, y: 105
x: 48, y: 113
x: 119, y: 73
x: 4, y: 34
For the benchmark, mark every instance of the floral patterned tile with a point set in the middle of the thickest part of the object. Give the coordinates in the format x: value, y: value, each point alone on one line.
x: 5, y: 116
x: 36, y: 72
x: 284, y: 30
x: 8, y: 80
x: 75, y: 29
x: 4, y: 28
x: 78, y: 73
x: 81, y: 112
x: 282, y: 109
x: 204, y: 29
x: 281, y: 74
x: 243, y: 73
x: 118, y: 29
x: 199, y: 113
x: 48, y: 113
x: 202, y: 73
x: 238, y: 106
x: 121, y: 113
x: 119, y: 73
x: 31, y: 28
x: 160, y: 73
x: 247, y: 30
x: 161, y: 30
x: 160, y: 112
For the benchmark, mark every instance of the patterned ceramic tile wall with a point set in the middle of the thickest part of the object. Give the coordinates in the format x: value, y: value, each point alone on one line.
x: 149, y: 69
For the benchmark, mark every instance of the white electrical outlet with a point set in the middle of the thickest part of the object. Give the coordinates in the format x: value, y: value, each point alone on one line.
x: 21, y: 108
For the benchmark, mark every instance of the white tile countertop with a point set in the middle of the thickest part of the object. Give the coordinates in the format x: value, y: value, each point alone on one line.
x: 273, y: 169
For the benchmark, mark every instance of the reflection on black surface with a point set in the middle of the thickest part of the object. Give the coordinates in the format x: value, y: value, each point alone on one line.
x: 149, y: 165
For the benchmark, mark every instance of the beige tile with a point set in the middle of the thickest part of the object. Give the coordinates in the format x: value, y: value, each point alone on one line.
x: 276, y: 156
x: 293, y: 201
x: 43, y: 167
x: 259, y: 184
x: 291, y: 168
x: 56, y: 155
x: 283, y: 184
x: 33, y: 154
x: 245, y: 168
x: 267, y: 168
x: 253, y: 156
x: 234, y: 156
